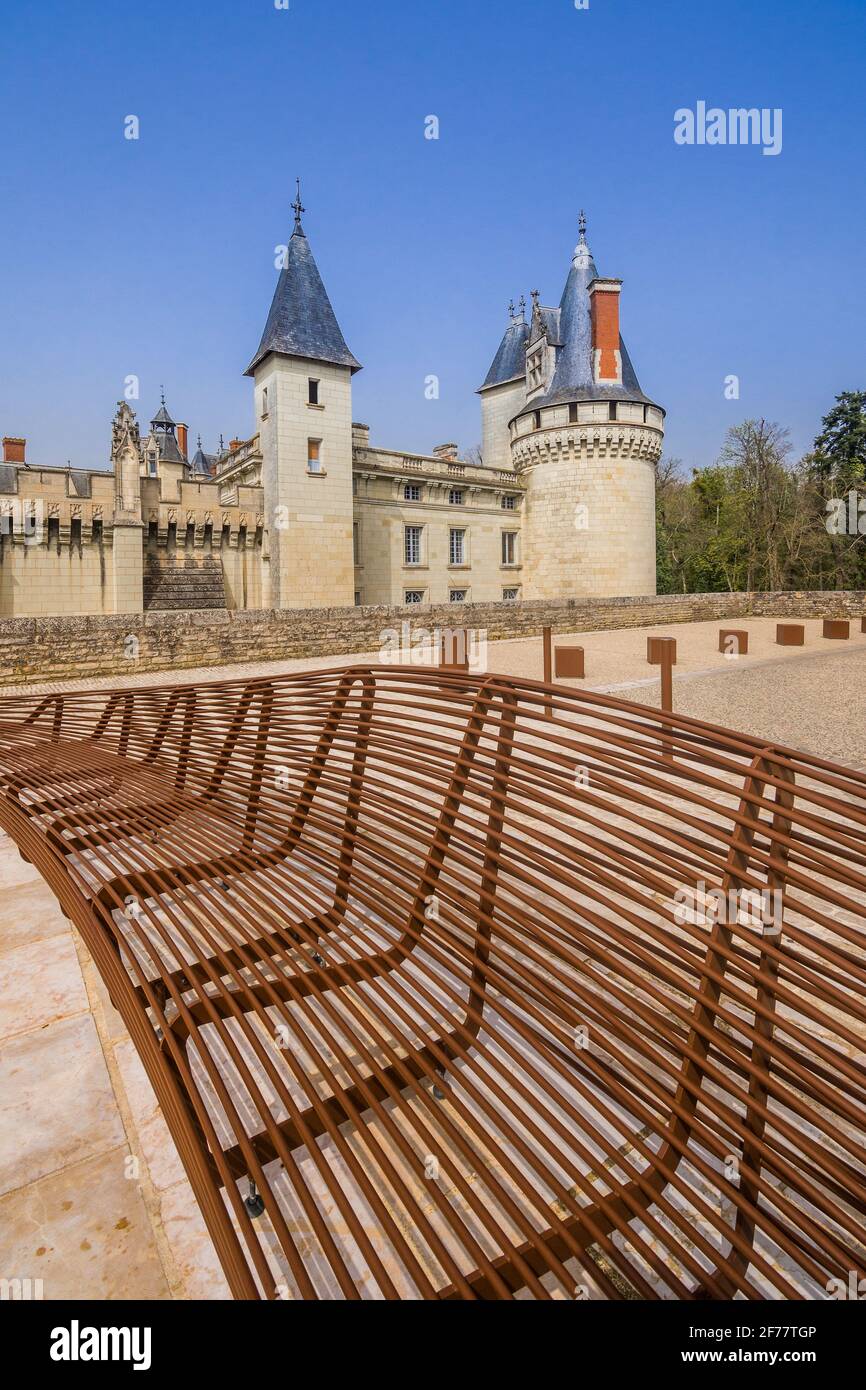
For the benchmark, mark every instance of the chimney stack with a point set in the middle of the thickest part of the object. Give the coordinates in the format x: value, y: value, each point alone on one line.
x: 14, y: 449
x: 606, y: 356
x: 182, y: 439
x: 446, y: 451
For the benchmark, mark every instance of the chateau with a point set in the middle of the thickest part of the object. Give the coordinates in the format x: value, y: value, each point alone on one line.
x: 307, y: 513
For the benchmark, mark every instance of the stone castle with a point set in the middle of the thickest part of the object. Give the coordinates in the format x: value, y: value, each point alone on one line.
x: 306, y: 513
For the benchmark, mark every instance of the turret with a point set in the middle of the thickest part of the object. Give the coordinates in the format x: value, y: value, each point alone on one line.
x: 586, y: 439
x: 303, y: 373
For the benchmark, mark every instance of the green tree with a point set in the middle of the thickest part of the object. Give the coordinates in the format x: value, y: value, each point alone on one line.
x: 838, y: 460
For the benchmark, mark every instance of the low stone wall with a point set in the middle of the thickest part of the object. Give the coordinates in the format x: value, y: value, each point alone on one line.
x: 66, y: 648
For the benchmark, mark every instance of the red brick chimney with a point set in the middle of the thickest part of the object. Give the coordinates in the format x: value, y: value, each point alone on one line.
x: 14, y: 449
x: 606, y: 356
x: 182, y: 433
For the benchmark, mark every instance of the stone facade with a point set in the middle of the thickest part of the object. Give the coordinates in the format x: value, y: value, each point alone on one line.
x: 460, y: 514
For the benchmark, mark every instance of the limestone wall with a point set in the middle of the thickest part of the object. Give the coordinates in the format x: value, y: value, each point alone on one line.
x: 40, y: 649
x: 308, y: 511
x: 382, y: 512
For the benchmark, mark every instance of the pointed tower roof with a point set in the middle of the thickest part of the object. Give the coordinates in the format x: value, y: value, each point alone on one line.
x: 202, y: 463
x: 574, y: 379
x: 302, y: 322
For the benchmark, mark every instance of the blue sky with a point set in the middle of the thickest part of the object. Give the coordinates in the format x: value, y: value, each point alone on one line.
x: 156, y: 257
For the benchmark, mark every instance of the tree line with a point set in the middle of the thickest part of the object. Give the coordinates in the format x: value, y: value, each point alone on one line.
x: 758, y: 519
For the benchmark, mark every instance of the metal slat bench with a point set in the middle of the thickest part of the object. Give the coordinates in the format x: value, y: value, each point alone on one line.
x: 464, y: 987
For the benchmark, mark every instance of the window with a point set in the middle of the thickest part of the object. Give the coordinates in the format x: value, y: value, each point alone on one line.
x: 572, y: 414
x: 356, y: 547
x: 611, y: 410
x: 414, y: 596
x: 313, y: 391
x: 357, y: 598
x: 411, y: 492
x: 456, y: 547
x: 455, y: 497
x: 412, y: 545
x: 151, y: 463
x: 509, y: 504
x: 535, y: 370
x: 509, y: 547
x: 314, y: 455
x: 264, y: 401
x: 510, y: 595
x: 457, y: 596
x: 536, y: 419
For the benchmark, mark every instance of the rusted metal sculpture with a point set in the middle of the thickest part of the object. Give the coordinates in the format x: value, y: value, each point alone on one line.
x: 444, y: 998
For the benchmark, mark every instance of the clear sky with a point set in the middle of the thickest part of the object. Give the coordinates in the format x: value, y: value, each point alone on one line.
x: 155, y: 257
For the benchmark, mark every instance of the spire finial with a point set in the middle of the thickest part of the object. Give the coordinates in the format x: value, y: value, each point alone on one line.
x: 511, y: 309
x: 199, y: 441
x: 298, y: 208
x: 582, y: 225
x: 522, y: 305
x: 162, y: 395
x: 536, y: 295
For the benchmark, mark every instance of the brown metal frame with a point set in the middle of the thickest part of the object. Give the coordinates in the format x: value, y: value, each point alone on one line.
x: 405, y: 957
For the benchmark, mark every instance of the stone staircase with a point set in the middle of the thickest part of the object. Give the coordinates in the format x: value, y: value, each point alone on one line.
x: 183, y: 582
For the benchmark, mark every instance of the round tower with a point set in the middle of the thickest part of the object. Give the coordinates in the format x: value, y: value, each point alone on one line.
x: 586, y: 440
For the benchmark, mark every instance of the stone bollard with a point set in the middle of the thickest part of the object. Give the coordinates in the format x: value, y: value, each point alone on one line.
x: 790, y: 635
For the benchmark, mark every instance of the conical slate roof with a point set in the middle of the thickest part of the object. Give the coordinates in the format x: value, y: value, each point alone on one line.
x: 202, y: 463
x: 573, y: 379
x: 302, y: 322
x: 509, y: 364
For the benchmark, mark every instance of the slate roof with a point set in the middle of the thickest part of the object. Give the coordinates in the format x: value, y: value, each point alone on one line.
x: 573, y: 378
x: 301, y: 322
x: 162, y: 417
x: 510, y: 361
x: 202, y: 463
x: 8, y: 477
x: 169, y: 450
x: 80, y: 482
